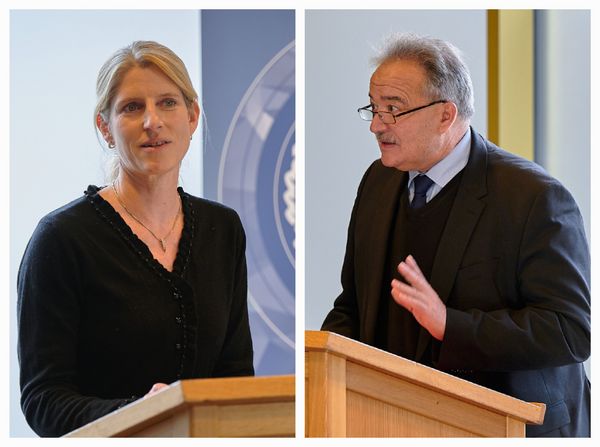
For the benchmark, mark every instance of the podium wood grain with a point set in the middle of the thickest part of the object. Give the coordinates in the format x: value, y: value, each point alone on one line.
x: 356, y: 390
x: 227, y: 407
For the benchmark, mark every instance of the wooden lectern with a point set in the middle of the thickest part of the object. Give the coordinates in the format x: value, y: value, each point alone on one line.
x: 229, y: 407
x: 355, y: 390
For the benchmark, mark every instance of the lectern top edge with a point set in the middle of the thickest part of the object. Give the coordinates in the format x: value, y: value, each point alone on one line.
x: 239, y: 389
x: 188, y: 394
x: 352, y: 350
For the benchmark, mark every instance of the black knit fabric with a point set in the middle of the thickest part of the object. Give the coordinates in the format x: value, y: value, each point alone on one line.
x: 101, y: 321
x: 416, y: 232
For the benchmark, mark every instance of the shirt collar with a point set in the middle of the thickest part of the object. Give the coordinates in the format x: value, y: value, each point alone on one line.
x: 444, y: 170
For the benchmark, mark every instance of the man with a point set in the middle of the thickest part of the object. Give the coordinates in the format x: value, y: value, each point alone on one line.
x: 460, y: 255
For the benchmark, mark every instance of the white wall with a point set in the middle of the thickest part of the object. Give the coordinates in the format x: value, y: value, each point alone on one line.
x: 563, y: 101
x: 54, y: 153
x: 339, y: 146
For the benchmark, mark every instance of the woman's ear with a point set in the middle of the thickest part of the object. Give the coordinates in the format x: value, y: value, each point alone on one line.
x: 104, y: 129
x: 194, y: 113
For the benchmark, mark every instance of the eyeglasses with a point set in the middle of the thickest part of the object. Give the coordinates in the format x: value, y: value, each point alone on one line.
x: 367, y: 113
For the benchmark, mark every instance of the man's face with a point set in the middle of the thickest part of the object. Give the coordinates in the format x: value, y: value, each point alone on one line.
x: 413, y: 141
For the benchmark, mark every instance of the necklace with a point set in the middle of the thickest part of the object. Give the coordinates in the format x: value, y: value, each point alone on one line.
x: 163, y: 240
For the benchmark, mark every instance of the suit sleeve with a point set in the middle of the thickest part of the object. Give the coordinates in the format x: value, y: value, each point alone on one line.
x: 344, y: 319
x: 48, y: 319
x: 551, y: 326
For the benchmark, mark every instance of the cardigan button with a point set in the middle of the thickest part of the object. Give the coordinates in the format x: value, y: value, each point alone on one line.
x: 178, y: 320
x: 178, y: 346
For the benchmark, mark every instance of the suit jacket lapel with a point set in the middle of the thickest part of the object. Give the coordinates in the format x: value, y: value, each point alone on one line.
x: 463, y: 218
x: 379, y: 215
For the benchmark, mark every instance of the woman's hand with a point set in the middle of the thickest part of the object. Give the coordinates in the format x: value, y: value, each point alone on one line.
x: 156, y: 388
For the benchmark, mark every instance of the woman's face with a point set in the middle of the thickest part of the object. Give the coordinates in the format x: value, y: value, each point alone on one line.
x: 149, y: 123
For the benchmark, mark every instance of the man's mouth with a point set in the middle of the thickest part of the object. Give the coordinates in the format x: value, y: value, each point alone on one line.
x: 385, y: 139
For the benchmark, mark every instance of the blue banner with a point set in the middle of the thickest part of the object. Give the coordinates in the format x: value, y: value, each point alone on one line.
x: 248, y: 82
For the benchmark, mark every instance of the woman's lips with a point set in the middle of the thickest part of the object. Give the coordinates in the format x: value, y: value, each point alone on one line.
x: 155, y: 143
x: 155, y: 146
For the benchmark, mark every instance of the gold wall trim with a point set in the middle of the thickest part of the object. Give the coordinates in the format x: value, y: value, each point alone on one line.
x: 511, y: 80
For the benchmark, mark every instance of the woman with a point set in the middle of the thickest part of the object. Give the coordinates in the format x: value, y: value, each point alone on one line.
x: 136, y: 284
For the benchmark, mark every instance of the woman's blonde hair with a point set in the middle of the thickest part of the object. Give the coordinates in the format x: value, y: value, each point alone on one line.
x: 138, y: 54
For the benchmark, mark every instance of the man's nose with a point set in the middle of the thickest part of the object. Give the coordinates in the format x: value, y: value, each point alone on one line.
x: 377, y: 124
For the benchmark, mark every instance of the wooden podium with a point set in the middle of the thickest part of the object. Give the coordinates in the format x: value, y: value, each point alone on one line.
x: 355, y: 390
x: 229, y: 407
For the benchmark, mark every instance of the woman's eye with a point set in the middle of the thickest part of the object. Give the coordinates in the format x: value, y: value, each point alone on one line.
x: 169, y: 102
x: 131, y: 107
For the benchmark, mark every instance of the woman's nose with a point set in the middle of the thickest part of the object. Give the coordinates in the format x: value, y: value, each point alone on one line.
x: 152, y: 118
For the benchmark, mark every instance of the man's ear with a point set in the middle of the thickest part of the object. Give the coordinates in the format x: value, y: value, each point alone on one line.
x: 449, y: 115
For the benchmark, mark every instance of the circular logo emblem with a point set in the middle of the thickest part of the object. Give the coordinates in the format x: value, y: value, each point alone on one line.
x: 257, y: 178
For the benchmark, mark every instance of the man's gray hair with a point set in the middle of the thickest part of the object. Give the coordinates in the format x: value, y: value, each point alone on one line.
x: 448, y: 76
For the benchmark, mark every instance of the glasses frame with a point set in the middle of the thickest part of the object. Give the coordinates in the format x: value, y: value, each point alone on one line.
x: 394, y: 116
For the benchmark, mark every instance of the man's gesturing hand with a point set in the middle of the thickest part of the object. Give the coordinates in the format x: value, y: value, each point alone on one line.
x: 419, y: 298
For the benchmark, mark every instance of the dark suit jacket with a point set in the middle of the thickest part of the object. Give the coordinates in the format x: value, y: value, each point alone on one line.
x: 512, y: 267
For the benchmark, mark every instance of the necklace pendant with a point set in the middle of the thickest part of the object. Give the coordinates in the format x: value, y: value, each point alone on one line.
x: 161, y: 241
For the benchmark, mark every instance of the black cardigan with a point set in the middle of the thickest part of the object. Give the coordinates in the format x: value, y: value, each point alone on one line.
x: 100, y: 320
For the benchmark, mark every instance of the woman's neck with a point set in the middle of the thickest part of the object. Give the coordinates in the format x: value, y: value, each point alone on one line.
x: 152, y: 209
x: 153, y: 200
